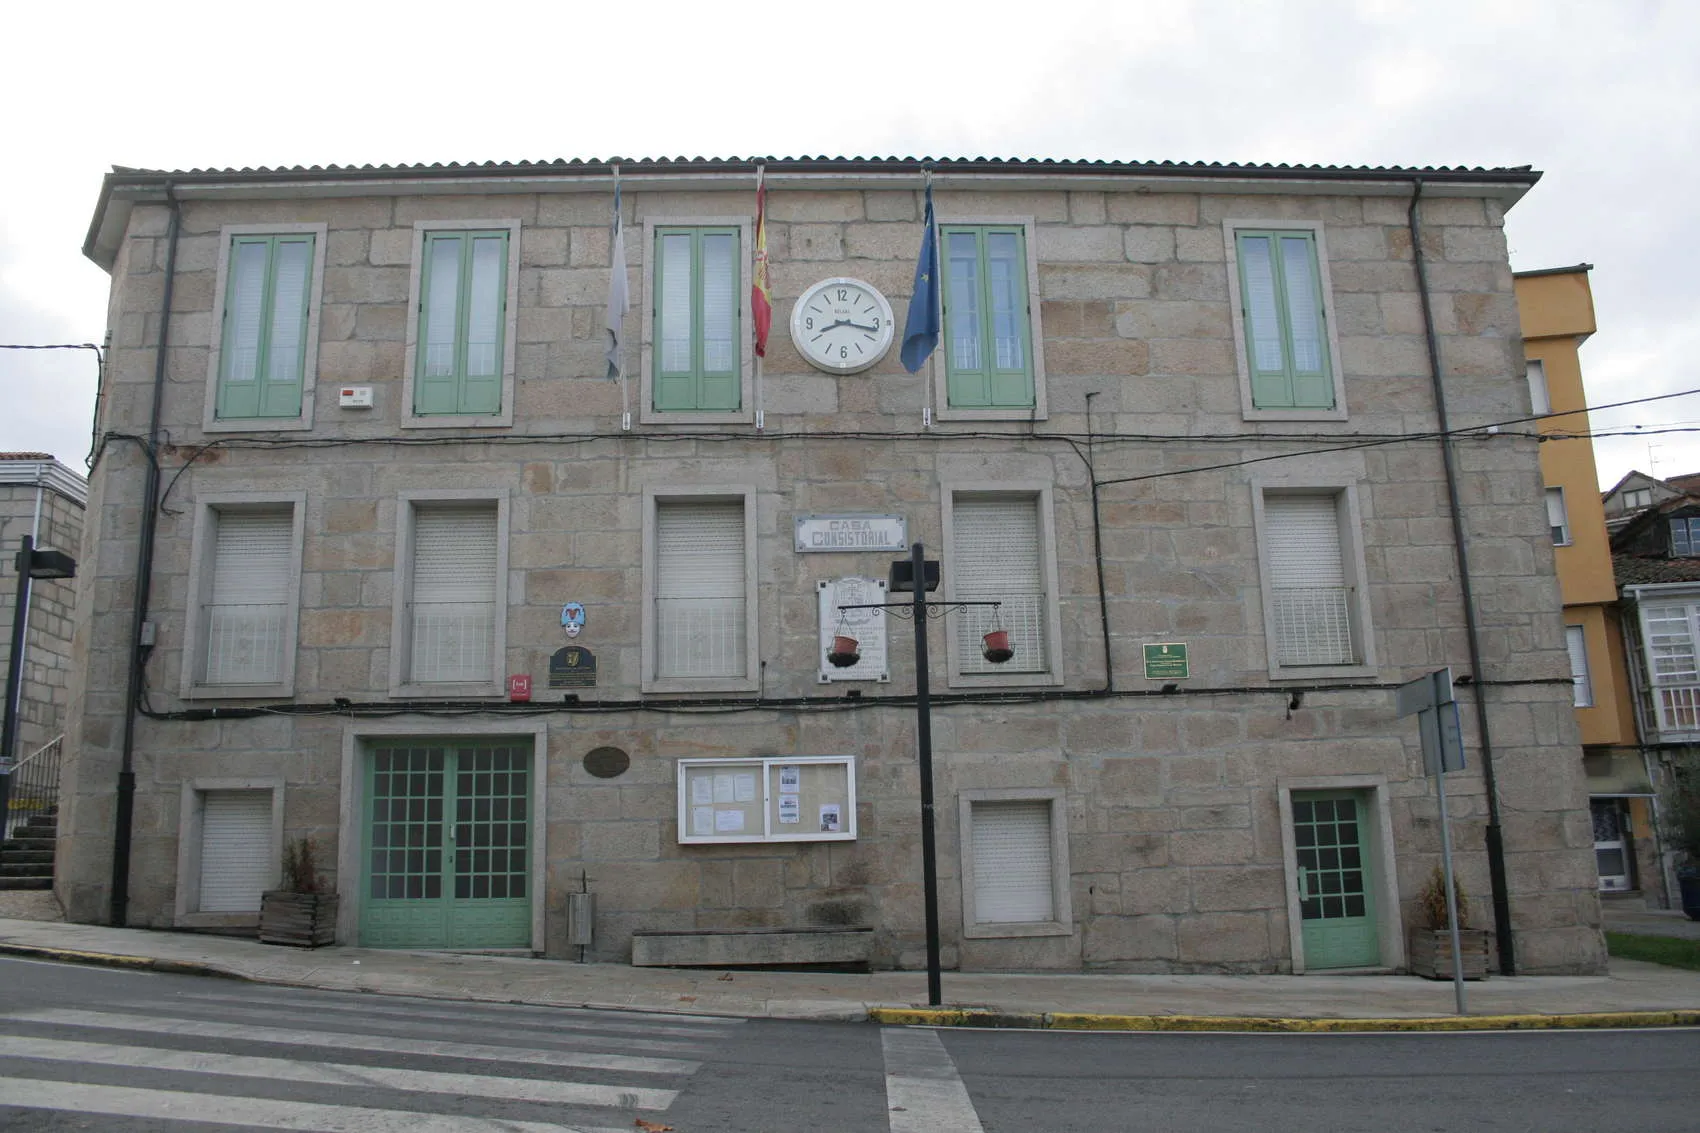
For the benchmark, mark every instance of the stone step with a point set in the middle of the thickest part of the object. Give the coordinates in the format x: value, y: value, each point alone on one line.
x: 26, y: 883
x: 26, y: 844
x: 20, y: 857
x: 26, y: 869
x: 47, y: 827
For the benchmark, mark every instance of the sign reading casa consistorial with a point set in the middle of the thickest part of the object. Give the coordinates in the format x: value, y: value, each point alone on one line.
x: 852, y: 533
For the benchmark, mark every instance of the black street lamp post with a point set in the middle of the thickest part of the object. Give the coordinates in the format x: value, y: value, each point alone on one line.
x: 31, y: 564
x: 919, y: 575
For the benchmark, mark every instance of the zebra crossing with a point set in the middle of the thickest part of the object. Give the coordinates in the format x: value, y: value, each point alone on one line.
x: 317, y: 1061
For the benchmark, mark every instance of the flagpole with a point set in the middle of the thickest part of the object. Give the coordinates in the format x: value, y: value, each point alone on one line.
x: 931, y: 391
x: 760, y: 318
x: 615, y: 246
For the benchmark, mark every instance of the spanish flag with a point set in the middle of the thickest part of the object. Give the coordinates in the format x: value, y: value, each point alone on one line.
x: 761, y: 299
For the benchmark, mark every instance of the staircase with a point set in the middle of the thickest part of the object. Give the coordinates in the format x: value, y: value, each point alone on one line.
x: 26, y: 858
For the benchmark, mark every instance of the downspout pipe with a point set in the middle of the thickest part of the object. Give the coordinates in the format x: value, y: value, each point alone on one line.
x: 1472, y: 632
x: 126, y: 800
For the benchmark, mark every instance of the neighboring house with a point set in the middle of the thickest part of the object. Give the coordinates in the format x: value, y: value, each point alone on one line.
x: 398, y: 475
x: 1638, y: 491
x: 1656, y: 556
x: 1557, y: 309
x: 43, y: 499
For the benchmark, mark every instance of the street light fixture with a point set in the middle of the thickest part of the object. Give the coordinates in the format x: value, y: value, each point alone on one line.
x: 31, y: 564
x: 901, y: 580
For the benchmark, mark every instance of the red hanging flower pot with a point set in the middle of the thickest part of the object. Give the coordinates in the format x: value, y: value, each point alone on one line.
x: 995, y: 647
x: 845, y: 651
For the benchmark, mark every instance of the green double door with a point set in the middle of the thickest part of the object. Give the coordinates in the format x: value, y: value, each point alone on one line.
x: 1336, y: 892
x: 447, y: 845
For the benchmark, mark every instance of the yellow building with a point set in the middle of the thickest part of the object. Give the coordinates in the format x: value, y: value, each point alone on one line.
x: 1557, y: 309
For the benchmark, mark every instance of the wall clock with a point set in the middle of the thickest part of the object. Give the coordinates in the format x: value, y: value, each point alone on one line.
x: 842, y: 325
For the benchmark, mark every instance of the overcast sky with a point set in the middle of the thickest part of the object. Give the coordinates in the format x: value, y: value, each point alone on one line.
x: 1600, y: 96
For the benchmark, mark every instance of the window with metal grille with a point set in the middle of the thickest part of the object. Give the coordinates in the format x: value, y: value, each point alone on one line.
x: 452, y: 603
x: 996, y: 556
x: 1575, y: 640
x: 238, y: 861
x: 248, y: 600
x: 1311, y: 599
x: 1011, y: 847
x: 701, y: 591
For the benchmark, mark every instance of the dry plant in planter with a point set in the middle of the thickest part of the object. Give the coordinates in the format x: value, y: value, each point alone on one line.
x: 302, y: 911
x: 1430, y: 952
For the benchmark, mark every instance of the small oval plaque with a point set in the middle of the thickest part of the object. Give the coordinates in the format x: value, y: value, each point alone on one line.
x: 606, y: 762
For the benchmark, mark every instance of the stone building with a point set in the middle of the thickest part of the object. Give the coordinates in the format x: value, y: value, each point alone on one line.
x: 43, y: 499
x: 1171, y: 406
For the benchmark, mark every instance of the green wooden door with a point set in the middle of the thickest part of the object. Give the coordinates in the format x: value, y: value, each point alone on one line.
x: 1336, y: 898
x: 447, y: 846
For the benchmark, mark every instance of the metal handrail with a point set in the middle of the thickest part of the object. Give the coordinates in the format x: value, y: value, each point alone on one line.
x: 35, y: 784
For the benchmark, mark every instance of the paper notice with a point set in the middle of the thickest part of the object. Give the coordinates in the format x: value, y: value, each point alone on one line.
x: 702, y: 819
x: 724, y: 789
x: 745, y: 786
x: 790, y: 779
x: 702, y: 790
x: 829, y: 818
x: 790, y: 808
x: 728, y: 821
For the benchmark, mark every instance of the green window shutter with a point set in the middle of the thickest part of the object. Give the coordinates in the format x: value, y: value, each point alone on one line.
x: 698, y: 341
x: 988, y: 356
x: 461, y: 345
x: 263, y: 345
x: 1285, y: 330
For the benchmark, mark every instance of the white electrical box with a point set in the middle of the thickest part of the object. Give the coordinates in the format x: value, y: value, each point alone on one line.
x: 355, y: 397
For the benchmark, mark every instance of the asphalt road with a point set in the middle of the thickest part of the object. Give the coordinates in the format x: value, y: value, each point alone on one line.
x: 93, y: 1049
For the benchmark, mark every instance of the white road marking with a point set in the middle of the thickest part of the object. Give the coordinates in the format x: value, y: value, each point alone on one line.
x: 176, y: 1105
x: 338, y: 1074
x: 246, y: 1033
x: 923, y: 1093
x: 669, y: 1026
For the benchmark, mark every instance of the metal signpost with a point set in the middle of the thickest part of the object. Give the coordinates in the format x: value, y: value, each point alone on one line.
x: 1430, y: 699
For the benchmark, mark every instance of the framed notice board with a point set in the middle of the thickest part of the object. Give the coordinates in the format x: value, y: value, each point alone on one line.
x: 782, y: 798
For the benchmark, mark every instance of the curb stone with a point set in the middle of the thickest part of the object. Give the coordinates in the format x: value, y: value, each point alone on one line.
x: 117, y: 960
x: 1087, y: 1021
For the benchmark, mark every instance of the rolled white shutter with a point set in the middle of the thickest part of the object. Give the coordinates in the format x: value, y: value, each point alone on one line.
x: 236, y: 850
x: 995, y: 557
x: 1307, y: 580
x: 454, y: 592
x: 1011, y: 844
x: 699, y: 590
x: 248, y: 599
x: 1576, y: 641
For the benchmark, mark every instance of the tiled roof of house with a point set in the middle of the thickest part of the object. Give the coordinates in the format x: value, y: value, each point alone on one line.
x: 26, y: 456
x: 1638, y: 570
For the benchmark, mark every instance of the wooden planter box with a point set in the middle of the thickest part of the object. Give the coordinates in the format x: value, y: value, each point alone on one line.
x: 304, y: 920
x: 1431, y: 953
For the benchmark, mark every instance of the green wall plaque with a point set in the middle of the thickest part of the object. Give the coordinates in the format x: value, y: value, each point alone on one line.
x: 1166, y: 661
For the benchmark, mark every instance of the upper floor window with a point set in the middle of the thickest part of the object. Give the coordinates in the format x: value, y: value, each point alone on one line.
x: 1558, y: 517
x: 1685, y: 536
x: 988, y: 322
x: 1670, y: 634
x: 1316, y: 612
x: 699, y: 558
x: 265, y: 344
x: 245, y: 595
x: 1576, y: 641
x: 461, y: 323
x: 1283, y: 322
x: 1636, y: 498
x: 1540, y: 400
x: 1001, y: 547
x: 697, y: 349
x: 450, y: 617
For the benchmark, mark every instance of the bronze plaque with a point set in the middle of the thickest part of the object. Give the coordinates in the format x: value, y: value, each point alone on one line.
x: 606, y: 762
x: 572, y: 667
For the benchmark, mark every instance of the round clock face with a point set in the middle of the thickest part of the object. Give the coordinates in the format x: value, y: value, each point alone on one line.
x: 842, y: 325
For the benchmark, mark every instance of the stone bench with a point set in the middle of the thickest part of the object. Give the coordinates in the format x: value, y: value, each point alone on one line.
x: 754, y: 948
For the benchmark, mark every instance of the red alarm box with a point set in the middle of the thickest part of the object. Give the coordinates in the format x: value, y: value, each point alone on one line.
x: 519, y: 687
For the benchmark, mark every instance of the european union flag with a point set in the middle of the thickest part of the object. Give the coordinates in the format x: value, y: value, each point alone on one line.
x: 921, y: 329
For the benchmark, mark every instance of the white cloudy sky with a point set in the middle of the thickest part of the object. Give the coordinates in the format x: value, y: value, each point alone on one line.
x: 1599, y: 94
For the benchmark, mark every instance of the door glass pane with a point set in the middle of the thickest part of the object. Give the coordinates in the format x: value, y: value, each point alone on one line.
x: 484, y: 327
x: 401, y: 869
x: 443, y: 284
x: 676, y: 303
x: 963, y: 299
x: 719, y: 302
x: 1003, y: 271
x: 1257, y: 262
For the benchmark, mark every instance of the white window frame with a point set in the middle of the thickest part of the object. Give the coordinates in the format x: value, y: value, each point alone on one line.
x: 401, y: 626
x: 942, y: 410
x: 351, y: 834
x: 186, y: 911
x: 1680, y: 692
x: 1563, y: 525
x: 1248, y: 408
x: 1540, y: 393
x: 771, y: 831
x: 1576, y: 644
x: 410, y: 417
x: 750, y: 680
x: 193, y: 684
x: 1040, y: 492
x: 1062, y: 919
x: 745, y: 413
x: 210, y: 421
x: 1634, y: 499
x: 1345, y: 493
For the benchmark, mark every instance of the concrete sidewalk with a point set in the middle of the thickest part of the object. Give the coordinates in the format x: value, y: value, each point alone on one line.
x: 1632, y: 994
